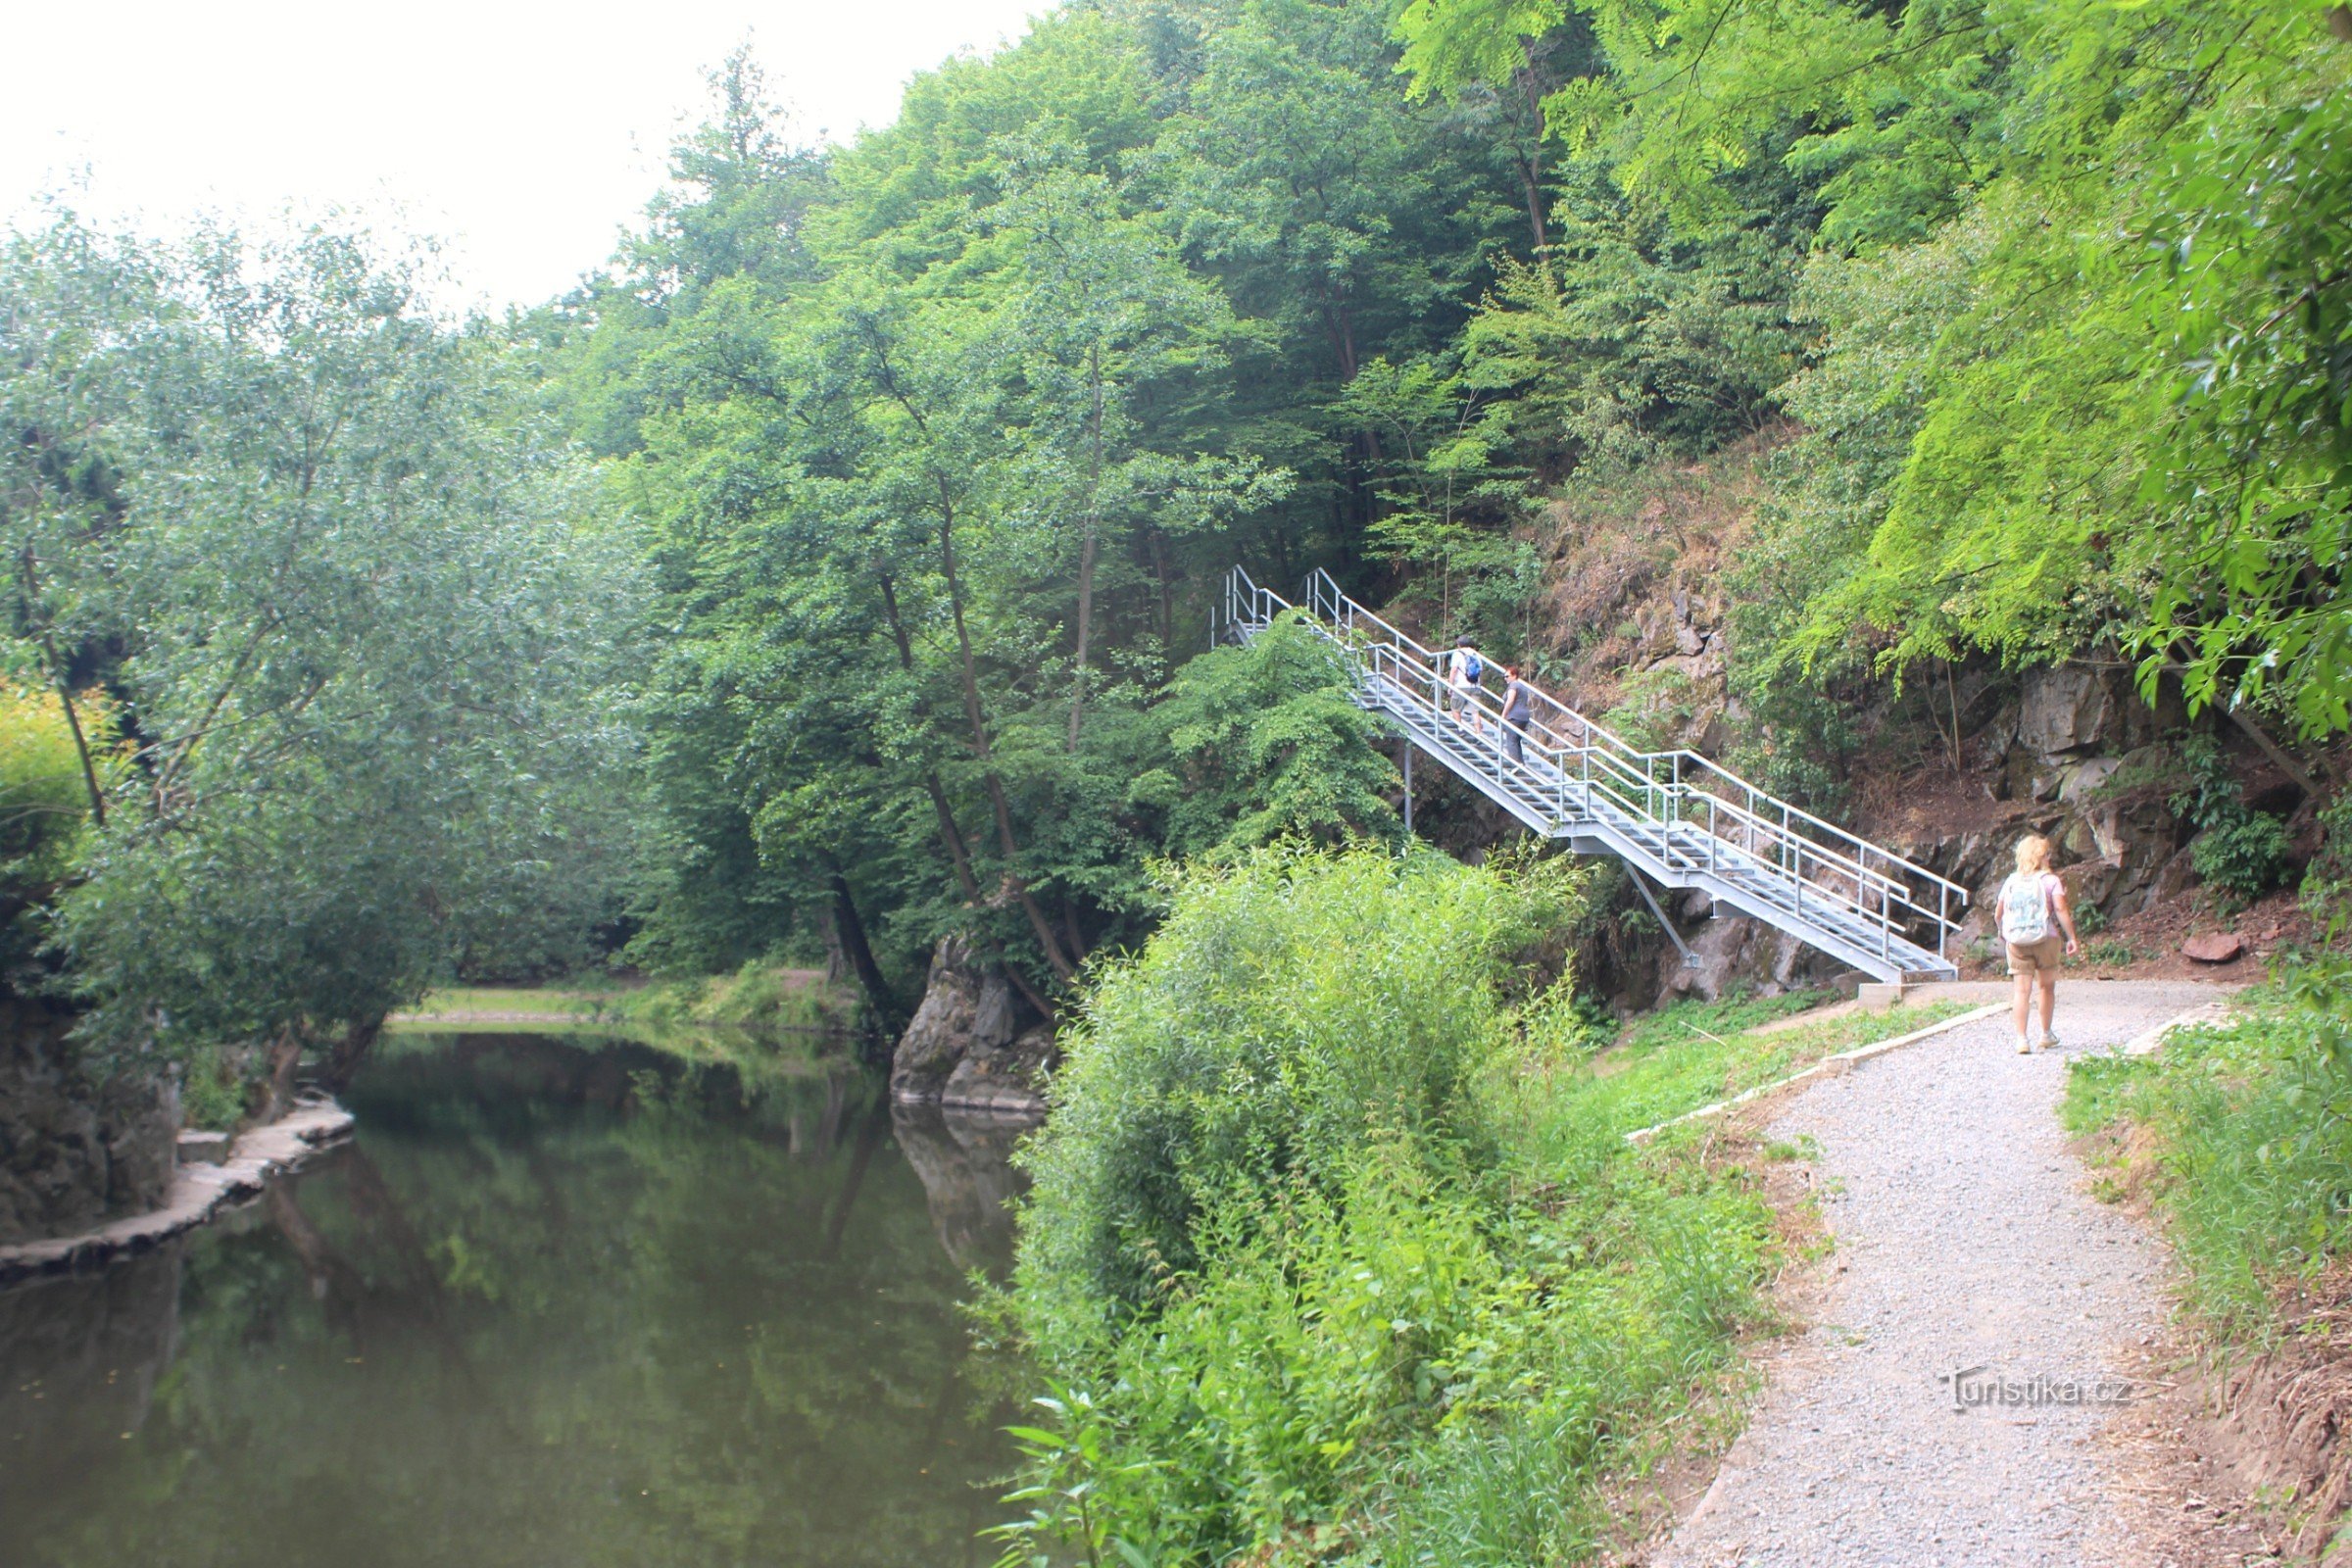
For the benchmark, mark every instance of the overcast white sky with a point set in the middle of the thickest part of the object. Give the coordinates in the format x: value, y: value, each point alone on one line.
x: 525, y: 133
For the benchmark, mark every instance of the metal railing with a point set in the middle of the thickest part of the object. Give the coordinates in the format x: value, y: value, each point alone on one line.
x: 1675, y: 809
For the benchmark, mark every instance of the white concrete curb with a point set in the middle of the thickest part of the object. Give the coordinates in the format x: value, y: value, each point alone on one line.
x: 1836, y: 1062
x: 2148, y: 1042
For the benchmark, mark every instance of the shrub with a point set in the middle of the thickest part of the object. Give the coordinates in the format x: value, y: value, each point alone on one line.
x: 2240, y: 852
x: 2113, y: 953
x: 1288, y: 1008
x: 1269, y: 745
x: 2244, y: 857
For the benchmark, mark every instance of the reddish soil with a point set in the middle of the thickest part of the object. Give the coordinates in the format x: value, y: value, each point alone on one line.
x: 2272, y: 927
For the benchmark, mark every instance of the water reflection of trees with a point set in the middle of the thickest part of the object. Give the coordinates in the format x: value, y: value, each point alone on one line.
x: 564, y: 1306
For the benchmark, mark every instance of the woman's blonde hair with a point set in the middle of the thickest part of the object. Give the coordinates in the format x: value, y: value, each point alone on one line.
x: 2032, y: 853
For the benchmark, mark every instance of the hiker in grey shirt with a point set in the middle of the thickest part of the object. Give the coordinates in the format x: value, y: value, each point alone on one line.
x: 1518, y: 706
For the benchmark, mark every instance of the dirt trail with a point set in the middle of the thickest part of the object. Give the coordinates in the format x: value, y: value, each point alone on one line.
x: 1965, y: 1239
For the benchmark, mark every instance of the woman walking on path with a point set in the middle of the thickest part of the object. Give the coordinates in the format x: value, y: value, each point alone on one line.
x: 1518, y: 705
x: 2033, y: 906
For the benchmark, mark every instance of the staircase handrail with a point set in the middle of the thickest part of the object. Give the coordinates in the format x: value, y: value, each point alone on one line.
x: 1663, y: 787
x: 1354, y: 612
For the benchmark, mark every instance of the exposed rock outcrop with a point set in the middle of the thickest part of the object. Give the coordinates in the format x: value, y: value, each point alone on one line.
x: 1738, y: 953
x: 966, y: 1046
x: 73, y: 1151
x: 1008, y: 1080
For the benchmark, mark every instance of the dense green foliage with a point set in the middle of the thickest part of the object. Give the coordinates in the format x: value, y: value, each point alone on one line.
x: 1286, y: 1013
x: 1337, y: 1251
x: 941, y: 439
x: 940, y: 454
x: 354, y: 620
x: 2238, y: 851
x: 2249, y: 1139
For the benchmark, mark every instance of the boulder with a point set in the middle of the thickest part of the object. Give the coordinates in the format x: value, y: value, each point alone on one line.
x: 967, y: 1007
x: 2214, y: 947
x: 2064, y: 711
x: 1737, y: 951
x: 1009, y: 1080
x: 75, y: 1152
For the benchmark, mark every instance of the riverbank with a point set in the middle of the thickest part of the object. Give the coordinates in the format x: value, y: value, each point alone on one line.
x: 756, y: 1000
x: 1335, y: 1251
x: 199, y: 1190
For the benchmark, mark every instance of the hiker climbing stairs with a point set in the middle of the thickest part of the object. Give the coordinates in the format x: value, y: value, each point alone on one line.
x: 1673, y: 817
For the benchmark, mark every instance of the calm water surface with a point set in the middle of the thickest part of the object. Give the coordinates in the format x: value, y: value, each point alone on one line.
x: 555, y: 1306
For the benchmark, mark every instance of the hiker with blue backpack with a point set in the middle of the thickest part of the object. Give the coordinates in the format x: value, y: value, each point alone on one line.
x: 1468, y: 668
x: 2034, y: 907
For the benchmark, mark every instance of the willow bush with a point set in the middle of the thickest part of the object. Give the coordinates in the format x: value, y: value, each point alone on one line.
x: 1332, y: 1256
x: 1288, y: 1010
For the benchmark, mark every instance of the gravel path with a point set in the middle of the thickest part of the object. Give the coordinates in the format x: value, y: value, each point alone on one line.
x: 1964, y: 1239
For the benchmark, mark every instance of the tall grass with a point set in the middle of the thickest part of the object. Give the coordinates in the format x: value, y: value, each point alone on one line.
x: 2241, y: 1132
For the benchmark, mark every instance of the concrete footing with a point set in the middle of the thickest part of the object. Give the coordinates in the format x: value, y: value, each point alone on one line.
x: 198, y: 1191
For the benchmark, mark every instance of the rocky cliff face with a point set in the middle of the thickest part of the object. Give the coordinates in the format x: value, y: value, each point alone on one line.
x: 74, y: 1152
x: 1635, y: 626
x: 2073, y: 753
x: 966, y: 1046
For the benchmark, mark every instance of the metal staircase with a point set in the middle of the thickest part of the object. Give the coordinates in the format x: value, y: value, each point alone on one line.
x: 1673, y: 816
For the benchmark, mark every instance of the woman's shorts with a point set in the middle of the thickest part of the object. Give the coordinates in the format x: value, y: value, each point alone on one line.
x: 2037, y: 958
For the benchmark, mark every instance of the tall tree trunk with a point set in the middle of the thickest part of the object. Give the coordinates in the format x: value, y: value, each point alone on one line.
x: 1060, y: 962
x: 851, y: 928
x: 1531, y: 166
x: 343, y: 1062
x: 81, y: 742
x: 951, y: 837
x: 1093, y: 532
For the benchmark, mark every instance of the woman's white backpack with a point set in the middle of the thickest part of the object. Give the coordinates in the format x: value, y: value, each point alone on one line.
x: 2025, y: 909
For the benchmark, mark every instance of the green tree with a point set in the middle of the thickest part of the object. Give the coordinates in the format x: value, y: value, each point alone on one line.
x: 1269, y: 746
x: 358, y: 613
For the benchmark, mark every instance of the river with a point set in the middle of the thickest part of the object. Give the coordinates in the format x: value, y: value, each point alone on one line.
x: 557, y: 1303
